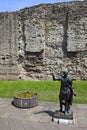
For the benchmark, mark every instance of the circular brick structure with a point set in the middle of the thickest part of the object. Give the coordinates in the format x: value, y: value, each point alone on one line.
x: 25, y: 102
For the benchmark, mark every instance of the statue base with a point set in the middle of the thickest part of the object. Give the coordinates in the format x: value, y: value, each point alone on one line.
x: 63, y: 117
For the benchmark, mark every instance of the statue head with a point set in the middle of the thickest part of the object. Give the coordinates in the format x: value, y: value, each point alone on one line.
x: 65, y: 72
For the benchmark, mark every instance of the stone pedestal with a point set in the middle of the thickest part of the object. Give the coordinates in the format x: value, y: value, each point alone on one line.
x: 63, y: 118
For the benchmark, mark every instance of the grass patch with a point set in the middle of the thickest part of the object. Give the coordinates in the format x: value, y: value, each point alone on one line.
x: 47, y: 90
x: 81, y: 90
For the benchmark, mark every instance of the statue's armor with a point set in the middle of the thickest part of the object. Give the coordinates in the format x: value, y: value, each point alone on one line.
x: 66, y: 83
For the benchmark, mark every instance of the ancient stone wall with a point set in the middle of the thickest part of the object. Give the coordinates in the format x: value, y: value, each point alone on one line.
x: 8, y: 46
x: 38, y: 41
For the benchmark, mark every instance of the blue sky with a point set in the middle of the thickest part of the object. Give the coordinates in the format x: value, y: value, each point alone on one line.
x: 13, y: 5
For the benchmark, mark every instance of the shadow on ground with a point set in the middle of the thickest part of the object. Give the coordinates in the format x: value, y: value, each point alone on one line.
x: 50, y: 113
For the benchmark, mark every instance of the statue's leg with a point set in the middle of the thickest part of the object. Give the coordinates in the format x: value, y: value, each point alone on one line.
x: 60, y: 99
x: 60, y: 105
x: 66, y: 106
x: 71, y: 99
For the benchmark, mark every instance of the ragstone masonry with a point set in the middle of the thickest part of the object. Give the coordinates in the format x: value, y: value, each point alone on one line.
x: 38, y: 41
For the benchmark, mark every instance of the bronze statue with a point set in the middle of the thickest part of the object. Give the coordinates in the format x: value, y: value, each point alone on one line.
x: 66, y: 92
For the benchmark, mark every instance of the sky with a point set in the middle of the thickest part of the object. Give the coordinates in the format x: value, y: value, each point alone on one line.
x: 14, y: 5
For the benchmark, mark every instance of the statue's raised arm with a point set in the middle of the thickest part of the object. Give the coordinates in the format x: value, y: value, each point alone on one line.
x: 56, y: 78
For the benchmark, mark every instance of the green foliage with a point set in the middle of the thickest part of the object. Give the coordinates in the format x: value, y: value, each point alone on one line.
x: 47, y: 90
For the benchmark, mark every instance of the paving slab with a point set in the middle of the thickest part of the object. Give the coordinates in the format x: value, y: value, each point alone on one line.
x: 15, y: 124
x: 39, y: 117
x: 4, y: 124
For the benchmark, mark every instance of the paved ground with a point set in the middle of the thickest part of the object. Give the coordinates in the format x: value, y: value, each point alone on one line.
x: 39, y: 117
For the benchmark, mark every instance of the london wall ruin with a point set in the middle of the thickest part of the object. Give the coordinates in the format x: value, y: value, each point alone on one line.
x: 38, y: 41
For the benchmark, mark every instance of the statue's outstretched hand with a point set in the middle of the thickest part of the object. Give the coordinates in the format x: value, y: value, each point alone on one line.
x: 53, y: 76
x: 74, y: 94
